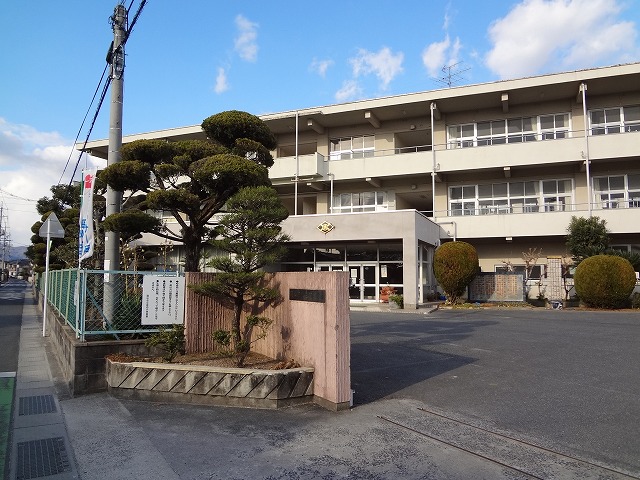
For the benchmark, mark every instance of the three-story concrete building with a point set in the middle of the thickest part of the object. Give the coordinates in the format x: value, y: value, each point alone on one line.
x: 374, y: 186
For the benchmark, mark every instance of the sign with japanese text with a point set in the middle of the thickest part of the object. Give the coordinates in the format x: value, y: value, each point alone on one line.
x: 162, y: 300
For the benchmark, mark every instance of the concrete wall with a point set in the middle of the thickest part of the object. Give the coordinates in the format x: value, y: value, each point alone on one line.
x: 161, y: 382
x: 314, y: 334
x: 83, y: 364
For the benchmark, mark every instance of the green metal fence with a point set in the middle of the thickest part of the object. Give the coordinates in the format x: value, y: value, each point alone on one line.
x: 79, y: 297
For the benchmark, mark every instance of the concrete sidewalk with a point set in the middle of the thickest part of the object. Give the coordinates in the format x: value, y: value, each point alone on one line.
x: 107, y: 441
x: 40, y: 444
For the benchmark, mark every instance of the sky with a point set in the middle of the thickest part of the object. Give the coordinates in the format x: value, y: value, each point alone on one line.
x: 191, y: 59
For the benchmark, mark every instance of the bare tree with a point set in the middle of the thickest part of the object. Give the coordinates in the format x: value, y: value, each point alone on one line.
x: 530, y: 258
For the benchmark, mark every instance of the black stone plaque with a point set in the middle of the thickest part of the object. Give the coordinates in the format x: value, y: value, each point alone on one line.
x: 303, y: 295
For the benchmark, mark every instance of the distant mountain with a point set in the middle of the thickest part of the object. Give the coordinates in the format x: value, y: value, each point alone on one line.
x: 15, y: 254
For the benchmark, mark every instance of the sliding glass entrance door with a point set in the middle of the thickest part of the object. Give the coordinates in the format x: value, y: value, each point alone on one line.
x: 362, y: 281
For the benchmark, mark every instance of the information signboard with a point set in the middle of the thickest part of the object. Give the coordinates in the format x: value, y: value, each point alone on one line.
x: 162, y: 300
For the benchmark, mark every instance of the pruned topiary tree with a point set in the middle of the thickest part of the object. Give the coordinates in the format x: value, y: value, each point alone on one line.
x: 251, y: 234
x: 455, y: 264
x: 191, y: 179
x: 604, y: 281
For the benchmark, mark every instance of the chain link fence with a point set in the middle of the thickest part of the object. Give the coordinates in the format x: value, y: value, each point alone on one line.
x: 99, y: 304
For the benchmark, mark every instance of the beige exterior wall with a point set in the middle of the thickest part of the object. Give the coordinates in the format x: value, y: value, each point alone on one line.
x: 406, y: 225
x: 405, y: 174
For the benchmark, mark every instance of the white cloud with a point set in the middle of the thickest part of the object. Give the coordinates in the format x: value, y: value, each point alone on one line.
x: 30, y: 163
x: 320, y: 66
x: 221, y: 81
x: 384, y: 64
x: 350, y: 90
x: 542, y: 35
x: 438, y: 54
x: 245, y: 42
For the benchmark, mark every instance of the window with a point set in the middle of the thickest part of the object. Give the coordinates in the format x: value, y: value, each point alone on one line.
x: 536, y: 271
x: 493, y: 198
x: 491, y: 133
x: 512, y: 197
x: 360, y: 202
x: 615, y: 120
x: 352, y: 147
x: 521, y: 130
x: 462, y: 200
x: 632, y: 119
x: 633, y: 190
x: 461, y: 136
x: 554, y: 126
x: 617, y: 191
x: 556, y: 195
x: 605, y: 121
x: 512, y: 130
x: 524, y: 196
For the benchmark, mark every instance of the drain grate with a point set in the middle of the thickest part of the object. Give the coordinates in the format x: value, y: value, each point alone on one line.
x: 36, y: 405
x: 41, y: 458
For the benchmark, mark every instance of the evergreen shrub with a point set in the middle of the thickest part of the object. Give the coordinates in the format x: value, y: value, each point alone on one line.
x: 604, y: 281
x: 455, y: 264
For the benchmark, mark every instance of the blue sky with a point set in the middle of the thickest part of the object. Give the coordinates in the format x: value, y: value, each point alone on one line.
x: 190, y: 59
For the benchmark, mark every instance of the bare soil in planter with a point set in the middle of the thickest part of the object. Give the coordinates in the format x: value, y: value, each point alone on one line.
x: 252, y: 360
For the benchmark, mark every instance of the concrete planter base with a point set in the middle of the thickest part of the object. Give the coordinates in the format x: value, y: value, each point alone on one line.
x: 239, y: 387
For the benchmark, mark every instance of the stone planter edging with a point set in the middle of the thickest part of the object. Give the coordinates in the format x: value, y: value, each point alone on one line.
x: 200, y: 384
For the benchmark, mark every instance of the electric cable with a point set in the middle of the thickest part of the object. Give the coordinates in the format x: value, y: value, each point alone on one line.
x: 105, y: 89
x: 93, y: 122
x: 82, y: 125
x: 16, y: 196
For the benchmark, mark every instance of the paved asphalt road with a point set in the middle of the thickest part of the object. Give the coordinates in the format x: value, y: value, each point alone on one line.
x: 11, y: 300
x: 563, y: 380
x: 569, y: 378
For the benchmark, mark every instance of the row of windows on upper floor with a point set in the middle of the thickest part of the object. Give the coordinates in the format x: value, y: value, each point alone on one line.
x: 542, y: 127
x: 614, y: 191
x: 495, y: 132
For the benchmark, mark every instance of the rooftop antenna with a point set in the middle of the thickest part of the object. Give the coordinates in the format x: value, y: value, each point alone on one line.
x: 452, y: 74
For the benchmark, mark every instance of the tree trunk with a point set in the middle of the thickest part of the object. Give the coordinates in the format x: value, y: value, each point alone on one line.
x: 193, y: 247
x: 192, y: 257
x: 240, y: 348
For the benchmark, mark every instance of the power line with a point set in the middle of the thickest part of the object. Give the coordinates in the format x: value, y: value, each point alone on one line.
x: 106, y: 86
x: 16, y: 196
x: 82, y: 125
x: 93, y: 122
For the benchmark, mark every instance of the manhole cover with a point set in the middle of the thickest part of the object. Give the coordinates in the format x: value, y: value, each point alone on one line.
x: 36, y: 405
x: 41, y: 458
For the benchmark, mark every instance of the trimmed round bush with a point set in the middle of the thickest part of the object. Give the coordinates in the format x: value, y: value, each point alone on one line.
x: 455, y: 264
x: 604, y: 281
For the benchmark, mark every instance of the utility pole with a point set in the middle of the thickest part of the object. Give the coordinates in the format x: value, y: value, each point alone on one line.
x: 114, y: 198
x: 2, y: 240
x: 5, y: 242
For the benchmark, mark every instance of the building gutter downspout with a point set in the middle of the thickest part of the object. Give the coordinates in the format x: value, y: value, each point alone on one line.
x: 295, y: 181
x: 331, y: 192
x: 433, y: 165
x: 583, y: 90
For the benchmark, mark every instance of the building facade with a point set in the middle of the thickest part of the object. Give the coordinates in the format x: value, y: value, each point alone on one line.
x: 374, y: 186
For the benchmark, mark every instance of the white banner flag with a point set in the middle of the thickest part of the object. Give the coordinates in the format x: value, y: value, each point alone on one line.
x: 85, y: 236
